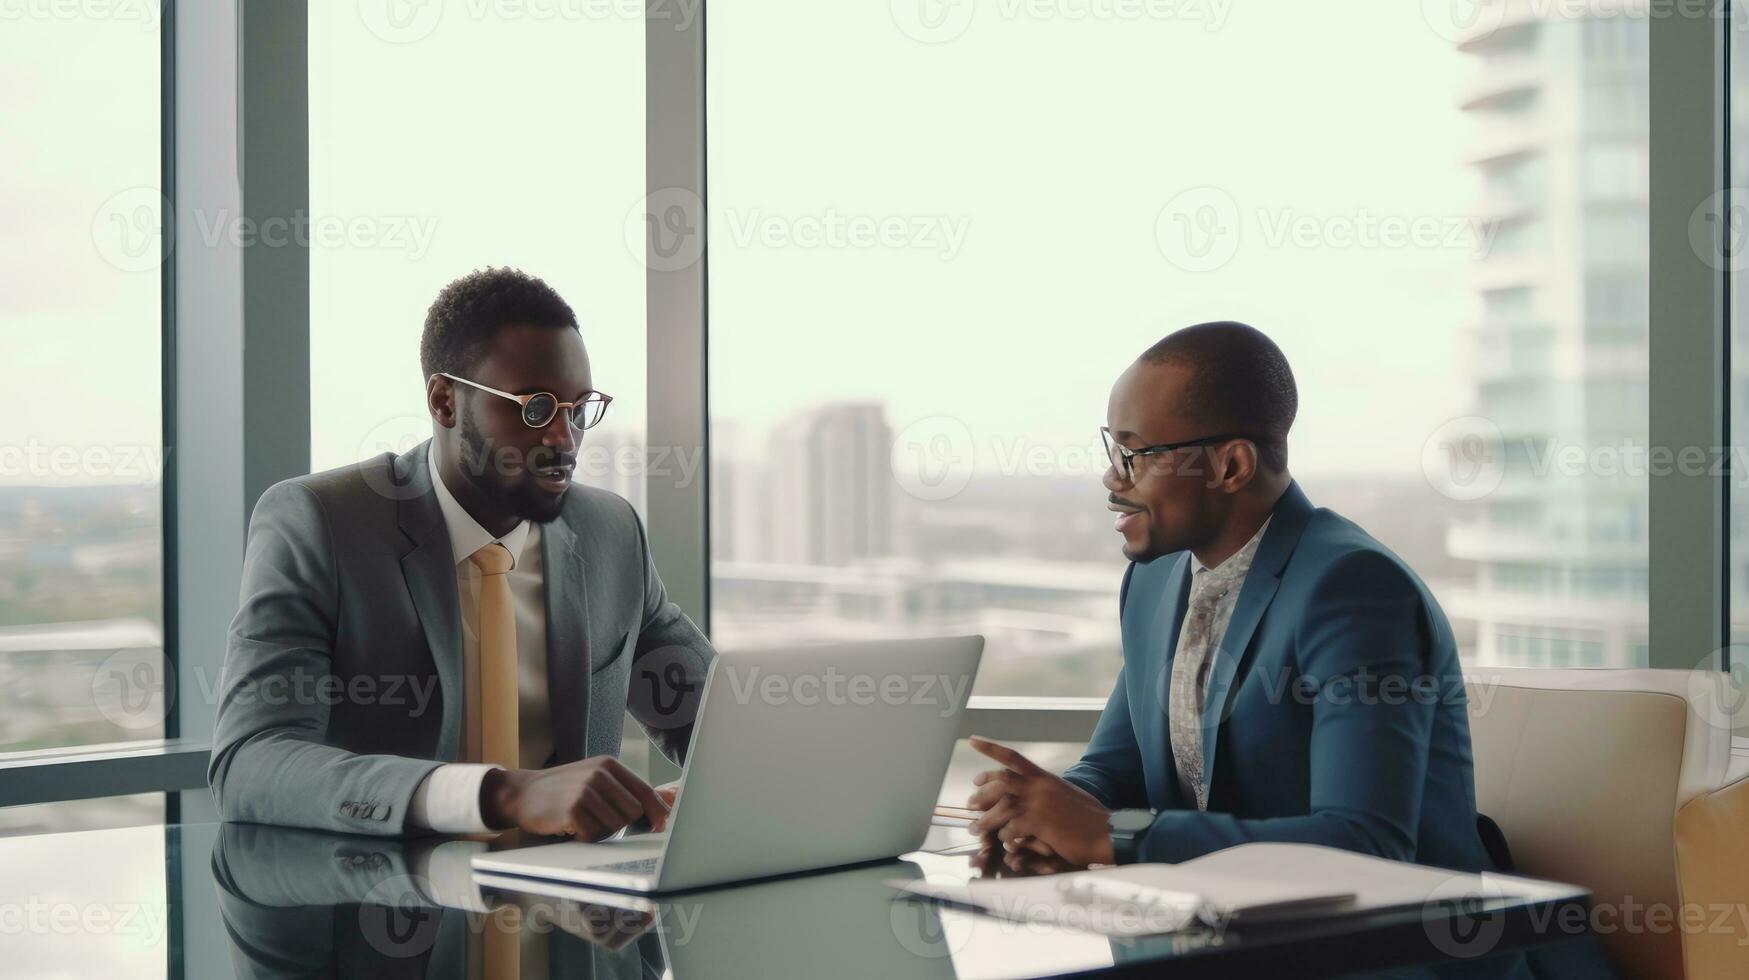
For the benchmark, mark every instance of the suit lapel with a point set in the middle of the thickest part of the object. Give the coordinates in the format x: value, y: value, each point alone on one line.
x: 1158, y: 757
x: 429, y: 568
x: 1261, y: 581
x: 567, y: 601
x: 1254, y: 597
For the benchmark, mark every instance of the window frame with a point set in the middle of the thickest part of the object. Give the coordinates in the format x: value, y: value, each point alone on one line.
x: 1688, y: 359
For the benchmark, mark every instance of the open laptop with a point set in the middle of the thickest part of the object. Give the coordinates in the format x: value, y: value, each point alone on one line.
x: 801, y: 758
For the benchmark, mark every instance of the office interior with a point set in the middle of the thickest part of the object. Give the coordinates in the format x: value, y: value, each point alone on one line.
x: 859, y: 277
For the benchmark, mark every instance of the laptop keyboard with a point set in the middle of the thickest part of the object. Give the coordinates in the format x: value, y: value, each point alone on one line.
x: 642, y: 866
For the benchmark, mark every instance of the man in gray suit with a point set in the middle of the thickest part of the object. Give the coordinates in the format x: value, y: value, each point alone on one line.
x: 448, y: 639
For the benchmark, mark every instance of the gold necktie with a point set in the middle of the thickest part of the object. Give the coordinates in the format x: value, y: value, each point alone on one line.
x: 502, y: 952
x: 497, y: 626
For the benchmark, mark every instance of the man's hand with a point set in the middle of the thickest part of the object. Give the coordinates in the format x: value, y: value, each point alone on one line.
x: 669, y: 792
x: 1027, y: 808
x: 591, y: 799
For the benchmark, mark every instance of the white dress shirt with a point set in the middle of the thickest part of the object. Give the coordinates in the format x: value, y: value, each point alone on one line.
x: 448, y: 800
x: 1240, y: 561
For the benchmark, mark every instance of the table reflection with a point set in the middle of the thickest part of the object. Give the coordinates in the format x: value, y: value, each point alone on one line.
x: 305, y: 904
x: 299, y: 903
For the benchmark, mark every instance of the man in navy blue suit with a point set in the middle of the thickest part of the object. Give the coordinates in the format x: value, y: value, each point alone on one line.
x: 1285, y: 677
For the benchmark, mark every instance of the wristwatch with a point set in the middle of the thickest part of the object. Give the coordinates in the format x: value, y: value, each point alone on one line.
x: 1127, y: 828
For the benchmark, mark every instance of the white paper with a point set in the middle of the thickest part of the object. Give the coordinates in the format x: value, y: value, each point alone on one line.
x: 1250, y: 882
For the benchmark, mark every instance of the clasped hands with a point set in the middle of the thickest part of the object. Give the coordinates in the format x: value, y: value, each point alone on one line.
x: 1034, y: 821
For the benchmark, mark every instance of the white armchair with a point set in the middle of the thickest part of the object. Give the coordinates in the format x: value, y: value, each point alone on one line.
x: 1625, y: 781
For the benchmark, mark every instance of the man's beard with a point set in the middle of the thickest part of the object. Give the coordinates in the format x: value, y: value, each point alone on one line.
x: 522, y: 500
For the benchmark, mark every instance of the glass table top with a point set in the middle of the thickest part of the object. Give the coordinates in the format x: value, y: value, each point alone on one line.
x: 241, y: 900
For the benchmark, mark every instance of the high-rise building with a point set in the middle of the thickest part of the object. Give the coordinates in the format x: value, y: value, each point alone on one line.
x: 737, y: 497
x: 829, y: 499
x: 1560, y: 107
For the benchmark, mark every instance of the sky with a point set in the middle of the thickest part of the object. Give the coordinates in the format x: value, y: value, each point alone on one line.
x: 1024, y: 165
x: 81, y: 320
x: 1059, y: 143
x: 1035, y: 172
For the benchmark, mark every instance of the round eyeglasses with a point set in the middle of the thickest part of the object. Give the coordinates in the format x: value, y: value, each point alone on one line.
x: 539, y: 408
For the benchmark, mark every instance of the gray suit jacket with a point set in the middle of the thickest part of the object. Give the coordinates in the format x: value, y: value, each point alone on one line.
x: 342, y: 685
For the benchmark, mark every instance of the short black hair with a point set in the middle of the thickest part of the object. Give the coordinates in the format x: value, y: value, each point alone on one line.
x: 1240, y: 383
x: 468, y: 312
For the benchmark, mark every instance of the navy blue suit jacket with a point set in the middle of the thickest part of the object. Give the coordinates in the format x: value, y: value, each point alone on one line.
x: 1335, y: 711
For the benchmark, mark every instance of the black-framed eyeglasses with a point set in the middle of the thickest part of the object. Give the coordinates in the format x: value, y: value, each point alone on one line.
x: 1123, y: 458
x: 539, y: 408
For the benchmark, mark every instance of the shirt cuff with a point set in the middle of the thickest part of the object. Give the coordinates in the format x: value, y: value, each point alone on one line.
x: 448, y: 799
